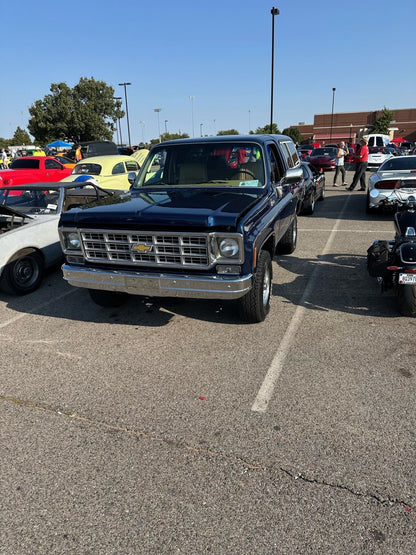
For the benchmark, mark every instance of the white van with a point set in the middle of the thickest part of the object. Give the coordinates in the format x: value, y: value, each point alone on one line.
x: 377, y: 139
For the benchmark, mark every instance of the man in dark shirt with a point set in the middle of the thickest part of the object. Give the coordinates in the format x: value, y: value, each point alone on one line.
x: 361, y: 161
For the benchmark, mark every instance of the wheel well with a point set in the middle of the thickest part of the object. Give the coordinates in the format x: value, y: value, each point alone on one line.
x: 268, y: 245
x: 25, y: 252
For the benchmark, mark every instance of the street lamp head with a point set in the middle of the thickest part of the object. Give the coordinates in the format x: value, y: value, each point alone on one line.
x: 274, y: 11
x: 122, y: 84
x: 157, y: 109
x: 333, y: 89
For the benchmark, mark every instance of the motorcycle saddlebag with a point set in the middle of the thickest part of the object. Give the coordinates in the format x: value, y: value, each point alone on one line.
x: 378, y: 259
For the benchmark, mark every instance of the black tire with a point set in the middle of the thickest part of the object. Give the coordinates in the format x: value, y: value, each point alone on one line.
x: 310, y: 207
x: 107, y: 298
x: 24, y: 275
x: 323, y: 193
x: 287, y: 243
x: 255, y: 305
x: 407, y: 300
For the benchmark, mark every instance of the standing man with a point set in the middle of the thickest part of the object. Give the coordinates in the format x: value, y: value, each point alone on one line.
x: 341, y: 152
x: 78, y: 154
x: 361, y: 162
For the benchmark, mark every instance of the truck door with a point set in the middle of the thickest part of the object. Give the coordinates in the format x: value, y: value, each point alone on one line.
x: 283, y: 195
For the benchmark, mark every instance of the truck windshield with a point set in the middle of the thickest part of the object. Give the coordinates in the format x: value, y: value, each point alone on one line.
x: 212, y: 164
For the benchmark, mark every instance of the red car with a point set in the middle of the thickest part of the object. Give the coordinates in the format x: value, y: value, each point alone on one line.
x: 323, y: 157
x: 33, y: 169
x: 304, y: 151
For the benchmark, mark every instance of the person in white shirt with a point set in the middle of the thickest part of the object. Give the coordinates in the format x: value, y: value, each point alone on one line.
x: 341, y: 152
x: 4, y: 159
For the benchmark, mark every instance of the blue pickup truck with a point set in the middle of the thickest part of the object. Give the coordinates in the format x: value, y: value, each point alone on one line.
x: 203, y: 219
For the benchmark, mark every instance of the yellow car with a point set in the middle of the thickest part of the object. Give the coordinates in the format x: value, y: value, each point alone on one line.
x: 110, y: 171
x: 67, y: 162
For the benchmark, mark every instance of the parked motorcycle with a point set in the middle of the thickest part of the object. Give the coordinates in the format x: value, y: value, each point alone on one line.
x: 394, y: 262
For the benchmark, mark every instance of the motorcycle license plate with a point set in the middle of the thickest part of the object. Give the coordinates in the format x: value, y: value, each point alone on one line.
x: 407, y: 279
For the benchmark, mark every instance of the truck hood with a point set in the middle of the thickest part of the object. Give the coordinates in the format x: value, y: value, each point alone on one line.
x: 185, y: 208
x: 7, y: 211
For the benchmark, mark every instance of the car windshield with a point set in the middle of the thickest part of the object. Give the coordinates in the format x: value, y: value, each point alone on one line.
x: 29, y: 201
x: 399, y: 163
x: 324, y: 151
x: 85, y: 168
x: 220, y: 164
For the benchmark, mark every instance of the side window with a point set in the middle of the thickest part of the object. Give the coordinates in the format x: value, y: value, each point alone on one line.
x: 52, y: 165
x: 293, y: 153
x: 276, y: 172
x: 286, y: 154
x: 290, y: 154
x: 118, y: 168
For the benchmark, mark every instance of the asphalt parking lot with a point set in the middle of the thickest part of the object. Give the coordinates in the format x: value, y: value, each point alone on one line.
x: 167, y: 426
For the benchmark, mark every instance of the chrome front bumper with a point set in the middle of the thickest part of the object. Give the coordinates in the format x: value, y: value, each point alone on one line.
x: 158, y: 284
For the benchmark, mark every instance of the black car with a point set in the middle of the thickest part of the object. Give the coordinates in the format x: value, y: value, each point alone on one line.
x: 314, y: 187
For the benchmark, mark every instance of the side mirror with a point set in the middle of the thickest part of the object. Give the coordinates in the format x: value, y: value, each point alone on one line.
x: 293, y: 175
x: 131, y: 176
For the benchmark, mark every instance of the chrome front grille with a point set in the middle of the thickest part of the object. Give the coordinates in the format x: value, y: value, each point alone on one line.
x: 146, y: 249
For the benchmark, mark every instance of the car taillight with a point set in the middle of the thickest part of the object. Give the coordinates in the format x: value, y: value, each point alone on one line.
x: 388, y: 184
x: 6, y: 182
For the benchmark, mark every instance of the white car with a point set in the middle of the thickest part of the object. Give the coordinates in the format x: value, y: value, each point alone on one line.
x: 376, y: 156
x: 29, y: 241
x: 399, y: 172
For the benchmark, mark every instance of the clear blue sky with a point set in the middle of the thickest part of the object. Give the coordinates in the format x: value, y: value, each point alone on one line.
x: 219, y: 52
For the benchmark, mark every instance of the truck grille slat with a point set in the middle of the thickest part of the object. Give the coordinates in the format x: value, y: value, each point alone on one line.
x: 146, y: 248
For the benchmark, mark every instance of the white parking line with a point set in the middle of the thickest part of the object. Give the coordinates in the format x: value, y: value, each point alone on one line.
x: 266, y: 390
x: 34, y: 310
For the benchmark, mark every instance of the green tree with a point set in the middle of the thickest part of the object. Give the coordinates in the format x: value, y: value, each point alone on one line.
x: 21, y: 137
x: 266, y: 130
x: 293, y: 133
x: 172, y: 136
x: 87, y: 112
x: 228, y: 132
x: 382, y: 124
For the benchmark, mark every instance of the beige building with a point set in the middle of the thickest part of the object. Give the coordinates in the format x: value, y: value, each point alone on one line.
x: 351, y: 126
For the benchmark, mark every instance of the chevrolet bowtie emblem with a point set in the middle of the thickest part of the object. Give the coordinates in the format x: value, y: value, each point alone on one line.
x: 142, y: 247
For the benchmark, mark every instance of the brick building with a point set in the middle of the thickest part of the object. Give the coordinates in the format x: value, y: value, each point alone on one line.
x: 351, y: 126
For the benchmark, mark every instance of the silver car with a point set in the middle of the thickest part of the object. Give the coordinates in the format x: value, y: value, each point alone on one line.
x: 398, y: 172
x: 29, y: 241
x: 377, y: 155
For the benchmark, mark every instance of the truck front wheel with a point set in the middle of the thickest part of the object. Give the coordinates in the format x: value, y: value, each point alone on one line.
x: 255, y: 305
x: 287, y: 243
x: 107, y: 298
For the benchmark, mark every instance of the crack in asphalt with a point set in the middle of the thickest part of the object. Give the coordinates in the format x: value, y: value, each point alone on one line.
x: 205, y: 451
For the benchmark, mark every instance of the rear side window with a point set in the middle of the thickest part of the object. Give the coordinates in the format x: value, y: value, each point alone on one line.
x: 289, y: 153
x: 118, y: 168
x: 25, y: 163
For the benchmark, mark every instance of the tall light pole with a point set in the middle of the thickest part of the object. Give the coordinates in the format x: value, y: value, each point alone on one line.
x: 166, y: 127
x: 158, y: 110
x: 273, y: 11
x: 118, y: 121
x: 191, y: 98
x: 350, y: 134
x: 200, y: 127
x: 332, y: 113
x: 127, y: 108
